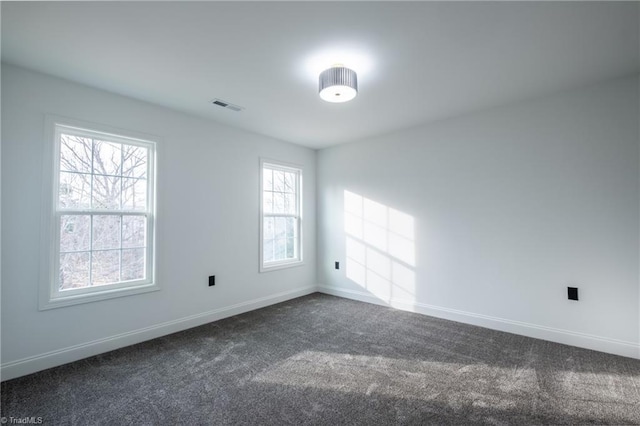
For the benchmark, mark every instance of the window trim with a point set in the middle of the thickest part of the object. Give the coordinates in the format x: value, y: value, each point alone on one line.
x: 49, y: 296
x: 289, y: 167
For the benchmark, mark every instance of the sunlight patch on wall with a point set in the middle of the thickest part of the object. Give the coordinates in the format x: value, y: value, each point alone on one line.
x: 380, y: 248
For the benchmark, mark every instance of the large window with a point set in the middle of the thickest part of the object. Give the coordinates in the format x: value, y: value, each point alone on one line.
x: 281, y: 219
x: 102, y: 223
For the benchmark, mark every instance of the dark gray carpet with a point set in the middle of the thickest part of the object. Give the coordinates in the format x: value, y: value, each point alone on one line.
x: 324, y: 360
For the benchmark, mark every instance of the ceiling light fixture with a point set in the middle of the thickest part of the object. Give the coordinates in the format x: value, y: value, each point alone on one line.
x: 338, y: 84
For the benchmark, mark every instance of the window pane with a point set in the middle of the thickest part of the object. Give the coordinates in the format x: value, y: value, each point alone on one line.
x: 134, y: 229
x: 133, y: 264
x: 289, y: 203
x: 106, y: 232
x: 74, y: 270
x: 279, y: 249
x: 75, y: 154
x: 290, y: 182
x: 98, y: 172
x: 280, y: 197
x: 290, y: 248
x: 105, y: 267
x: 278, y: 181
x: 267, y: 249
x: 134, y: 161
x: 280, y: 228
x: 75, y: 232
x: 107, y: 158
x: 267, y: 180
x: 74, y: 191
x: 134, y: 194
x: 267, y: 202
x: 279, y: 238
x: 106, y: 192
x: 278, y: 202
x: 268, y: 228
x: 291, y: 227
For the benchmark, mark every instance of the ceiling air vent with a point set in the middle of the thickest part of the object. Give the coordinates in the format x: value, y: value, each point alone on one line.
x: 227, y: 105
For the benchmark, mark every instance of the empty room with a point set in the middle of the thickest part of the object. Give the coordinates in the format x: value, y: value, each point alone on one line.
x: 321, y: 213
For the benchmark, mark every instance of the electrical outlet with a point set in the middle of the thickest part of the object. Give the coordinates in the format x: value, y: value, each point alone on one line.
x: 212, y: 280
x: 572, y: 293
x: 337, y: 265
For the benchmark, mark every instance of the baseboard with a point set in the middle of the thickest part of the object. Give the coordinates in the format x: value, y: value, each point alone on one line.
x: 22, y: 367
x: 567, y: 337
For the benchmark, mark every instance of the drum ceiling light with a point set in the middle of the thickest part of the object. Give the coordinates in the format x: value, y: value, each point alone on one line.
x: 338, y: 84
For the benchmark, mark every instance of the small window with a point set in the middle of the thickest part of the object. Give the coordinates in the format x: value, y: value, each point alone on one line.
x: 281, y: 218
x: 103, y: 218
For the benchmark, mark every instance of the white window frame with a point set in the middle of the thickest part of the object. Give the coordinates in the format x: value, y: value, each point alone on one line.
x: 49, y: 294
x: 288, y: 263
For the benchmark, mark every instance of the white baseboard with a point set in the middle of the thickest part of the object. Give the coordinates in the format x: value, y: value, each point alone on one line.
x: 21, y: 367
x: 567, y: 337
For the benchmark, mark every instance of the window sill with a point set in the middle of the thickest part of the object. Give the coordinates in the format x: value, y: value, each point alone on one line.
x: 281, y: 265
x: 48, y: 302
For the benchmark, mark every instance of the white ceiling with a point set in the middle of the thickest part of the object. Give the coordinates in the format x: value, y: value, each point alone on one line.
x: 416, y: 62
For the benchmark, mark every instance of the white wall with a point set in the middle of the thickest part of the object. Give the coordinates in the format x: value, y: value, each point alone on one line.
x: 207, y: 224
x: 509, y: 207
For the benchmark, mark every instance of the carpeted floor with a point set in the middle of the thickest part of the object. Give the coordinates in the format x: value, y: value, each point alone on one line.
x: 324, y: 360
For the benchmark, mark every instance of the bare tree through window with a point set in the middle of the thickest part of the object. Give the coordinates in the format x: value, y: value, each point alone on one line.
x: 281, y: 214
x: 102, y: 201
